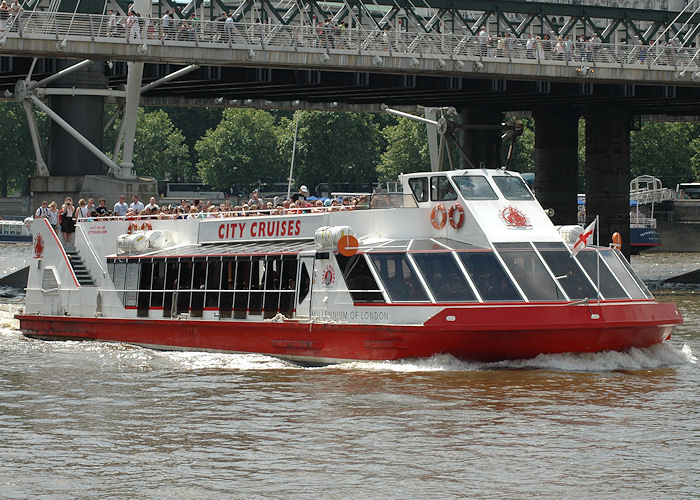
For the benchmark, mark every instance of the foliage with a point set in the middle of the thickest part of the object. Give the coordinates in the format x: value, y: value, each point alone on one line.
x: 333, y: 148
x: 668, y: 151
x: 524, y: 150
x: 407, y: 149
x: 241, y: 151
x: 194, y: 123
x: 16, y: 150
x: 159, y: 150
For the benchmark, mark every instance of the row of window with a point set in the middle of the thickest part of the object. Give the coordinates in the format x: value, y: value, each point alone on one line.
x: 472, y: 187
x: 238, y: 286
x: 235, y: 286
x: 546, y: 272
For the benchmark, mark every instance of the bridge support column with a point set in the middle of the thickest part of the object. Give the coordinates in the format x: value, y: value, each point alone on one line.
x: 481, y: 137
x: 556, y: 163
x: 66, y: 156
x: 608, y: 174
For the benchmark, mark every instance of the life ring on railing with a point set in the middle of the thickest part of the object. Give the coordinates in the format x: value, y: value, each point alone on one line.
x: 438, y: 216
x: 616, y: 241
x: 132, y: 227
x: 146, y: 226
x: 456, y: 216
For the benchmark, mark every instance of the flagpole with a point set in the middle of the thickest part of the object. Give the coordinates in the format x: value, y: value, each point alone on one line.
x: 597, y: 255
x: 294, y: 149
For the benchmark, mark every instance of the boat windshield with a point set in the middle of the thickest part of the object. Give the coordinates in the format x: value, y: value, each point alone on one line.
x: 513, y: 188
x: 475, y: 187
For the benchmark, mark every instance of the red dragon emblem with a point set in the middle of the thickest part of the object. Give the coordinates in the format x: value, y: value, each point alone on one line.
x: 38, y: 246
x: 514, y: 218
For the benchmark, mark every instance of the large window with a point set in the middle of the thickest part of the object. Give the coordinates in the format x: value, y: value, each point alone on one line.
x: 475, y: 187
x: 241, y: 269
x: 359, y: 279
x: 145, y: 285
x: 634, y: 275
x: 184, y: 285
x: 419, y: 186
x: 172, y: 270
x: 213, y: 282
x: 235, y: 285
x: 512, y: 188
x: 199, y: 279
x: 444, y: 277
x: 620, y: 270
x: 491, y: 281
x: 158, y: 283
x: 528, y: 270
x: 566, y: 270
x: 132, y: 282
x: 441, y: 189
x: 227, y: 282
x: 399, y: 277
x: 118, y: 277
x: 609, y: 287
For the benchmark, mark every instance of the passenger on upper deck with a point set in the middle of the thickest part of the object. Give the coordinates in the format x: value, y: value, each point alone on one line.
x: 255, y: 199
x: 101, y: 209
x: 152, y: 204
x: 68, y: 214
x: 120, y: 208
x: 301, y: 195
x: 42, y: 211
x: 136, y: 205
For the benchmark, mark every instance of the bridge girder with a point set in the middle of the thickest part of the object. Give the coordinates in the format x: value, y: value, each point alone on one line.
x: 455, y: 16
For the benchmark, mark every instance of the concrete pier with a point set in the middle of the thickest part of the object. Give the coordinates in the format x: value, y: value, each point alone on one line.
x: 84, y: 113
x: 481, y: 137
x: 608, y: 173
x: 556, y: 163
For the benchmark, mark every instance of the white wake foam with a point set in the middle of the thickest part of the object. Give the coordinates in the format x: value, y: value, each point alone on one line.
x: 658, y: 356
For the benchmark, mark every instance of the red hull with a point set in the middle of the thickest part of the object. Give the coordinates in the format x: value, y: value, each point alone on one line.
x: 474, y: 333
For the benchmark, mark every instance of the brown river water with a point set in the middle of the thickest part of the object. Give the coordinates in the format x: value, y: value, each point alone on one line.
x: 90, y: 420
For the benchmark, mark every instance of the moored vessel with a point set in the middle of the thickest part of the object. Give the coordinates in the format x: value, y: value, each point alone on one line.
x: 464, y: 262
x: 14, y: 231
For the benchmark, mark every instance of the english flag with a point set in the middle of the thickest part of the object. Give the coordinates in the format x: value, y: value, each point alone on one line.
x: 585, y: 238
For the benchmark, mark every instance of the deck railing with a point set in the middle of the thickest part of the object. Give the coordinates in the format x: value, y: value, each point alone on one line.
x: 442, y: 46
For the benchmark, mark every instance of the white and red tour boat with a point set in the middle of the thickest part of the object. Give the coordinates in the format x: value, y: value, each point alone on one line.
x: 463, y: 262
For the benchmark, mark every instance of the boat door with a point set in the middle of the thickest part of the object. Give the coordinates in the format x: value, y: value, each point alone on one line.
x: 304, y: 286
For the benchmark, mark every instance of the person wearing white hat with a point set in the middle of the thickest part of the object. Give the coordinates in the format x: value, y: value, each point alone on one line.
x: 302, y: 194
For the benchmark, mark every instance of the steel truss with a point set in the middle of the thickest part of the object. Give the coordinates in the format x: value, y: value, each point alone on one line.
x: 457, y: 17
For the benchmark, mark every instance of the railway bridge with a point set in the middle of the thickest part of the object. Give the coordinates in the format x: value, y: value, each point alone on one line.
x: 560, y: 62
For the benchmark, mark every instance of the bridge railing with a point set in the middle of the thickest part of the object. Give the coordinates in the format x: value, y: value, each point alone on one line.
x: 337, y: 39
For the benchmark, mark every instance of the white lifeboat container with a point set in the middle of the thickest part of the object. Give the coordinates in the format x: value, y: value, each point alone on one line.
x: 133, y: 243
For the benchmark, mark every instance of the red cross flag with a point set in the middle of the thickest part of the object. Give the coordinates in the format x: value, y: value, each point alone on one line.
x: 585, y: 238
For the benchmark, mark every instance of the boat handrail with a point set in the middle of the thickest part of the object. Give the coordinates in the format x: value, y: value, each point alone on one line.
x: 92, y: 251
x: 380, y: 201
x: 232, y: 290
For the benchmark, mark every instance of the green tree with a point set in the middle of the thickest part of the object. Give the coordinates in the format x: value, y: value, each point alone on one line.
x: 666, y: 151
x: 524, y: 150
x: 18, y: 160
x: 241, y: 151
x: 159, y: 150
x: 194, y: 123
x: 407, y: 149
x: 333, y: 148
x: 695, y: 160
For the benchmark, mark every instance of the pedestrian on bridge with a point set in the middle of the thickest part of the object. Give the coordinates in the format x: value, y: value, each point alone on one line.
x: 4, y: 15
x: 530, y: 47
x: 165, y: 25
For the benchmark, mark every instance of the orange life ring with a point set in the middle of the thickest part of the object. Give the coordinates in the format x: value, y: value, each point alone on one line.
x: 616, y: 241
x: 146, y: 226
x: 438, y: 223
x: 456, y: 222
x: 132, y: 227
